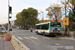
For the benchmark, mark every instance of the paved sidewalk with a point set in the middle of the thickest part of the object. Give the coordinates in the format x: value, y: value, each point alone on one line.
x: 5, y: 45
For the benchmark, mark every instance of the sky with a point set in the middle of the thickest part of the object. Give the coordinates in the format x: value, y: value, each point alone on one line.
x: 19, y: 5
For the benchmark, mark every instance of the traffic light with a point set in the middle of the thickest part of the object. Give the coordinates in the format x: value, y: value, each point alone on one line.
x: 9, y: 17
x: 10, y: 9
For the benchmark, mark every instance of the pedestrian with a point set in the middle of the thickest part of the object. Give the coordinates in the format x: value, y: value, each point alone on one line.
x: 31, y: 30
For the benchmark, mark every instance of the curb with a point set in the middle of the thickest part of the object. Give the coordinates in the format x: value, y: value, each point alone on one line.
x: 17, y: 44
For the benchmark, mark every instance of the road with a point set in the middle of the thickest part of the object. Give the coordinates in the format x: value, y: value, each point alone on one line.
x: 40, y: 42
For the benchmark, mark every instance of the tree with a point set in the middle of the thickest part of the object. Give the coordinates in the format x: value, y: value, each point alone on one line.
x: 73, y: 26
x: 19, y: 20
x: 6, y: 25
x: 54, y: 9
x: 70, y: 6
x: 28, y: 15
x: 0, y: 25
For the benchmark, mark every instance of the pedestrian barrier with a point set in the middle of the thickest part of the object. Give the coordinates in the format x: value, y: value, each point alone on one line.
x: 17, y: 44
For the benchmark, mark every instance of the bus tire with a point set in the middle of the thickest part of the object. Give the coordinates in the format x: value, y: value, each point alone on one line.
x: 37, y: 33
x: 44, y: 34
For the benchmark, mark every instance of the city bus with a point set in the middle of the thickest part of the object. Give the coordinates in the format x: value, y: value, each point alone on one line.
x: 49, y: 28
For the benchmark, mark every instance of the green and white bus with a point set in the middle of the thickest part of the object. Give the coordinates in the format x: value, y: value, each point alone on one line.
x: 49, y: 28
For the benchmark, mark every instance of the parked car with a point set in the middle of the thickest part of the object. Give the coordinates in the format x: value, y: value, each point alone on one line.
x: 2, y: 29
x: 10, y: 29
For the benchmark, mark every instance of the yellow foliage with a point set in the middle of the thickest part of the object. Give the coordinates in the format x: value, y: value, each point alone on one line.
x: 41, y: 21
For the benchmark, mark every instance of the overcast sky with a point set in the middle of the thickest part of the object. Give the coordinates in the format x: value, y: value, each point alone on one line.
x: 19, y: 5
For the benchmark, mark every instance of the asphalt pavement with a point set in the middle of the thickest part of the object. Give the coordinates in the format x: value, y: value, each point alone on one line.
x: 39, y: 42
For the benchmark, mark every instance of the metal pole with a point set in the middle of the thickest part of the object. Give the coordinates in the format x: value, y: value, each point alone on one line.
x: 65, y: 17
x: 42, y: 15
x: 8, y: 16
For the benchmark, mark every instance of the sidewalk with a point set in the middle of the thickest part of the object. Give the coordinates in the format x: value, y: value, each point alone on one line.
x: 5, y: 45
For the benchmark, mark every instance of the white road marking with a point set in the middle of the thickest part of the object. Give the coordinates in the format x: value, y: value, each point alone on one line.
x: 57, y: 44
x: 20, y: 38
x: 51, y: 47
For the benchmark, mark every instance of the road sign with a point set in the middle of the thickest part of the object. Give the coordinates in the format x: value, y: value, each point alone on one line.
x: 65, y: 21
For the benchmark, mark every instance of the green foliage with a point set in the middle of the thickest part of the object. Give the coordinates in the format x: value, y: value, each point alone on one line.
x: 6, y: 25
x: 73, y: 25
x: 27, y: 17
x: 71, y: 17
x: 0, y: 25
x: 19, y: 20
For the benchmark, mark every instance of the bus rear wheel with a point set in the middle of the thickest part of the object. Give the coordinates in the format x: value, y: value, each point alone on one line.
x: 37, y: 33
x: 44, y: 34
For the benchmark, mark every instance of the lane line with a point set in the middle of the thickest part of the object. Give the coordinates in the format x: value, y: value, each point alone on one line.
x: 1, y: 35
x: 34, y: 42
x: 26, y: 38
x: 13, y: 45
x: 46, y: 38
x: 57, y: 38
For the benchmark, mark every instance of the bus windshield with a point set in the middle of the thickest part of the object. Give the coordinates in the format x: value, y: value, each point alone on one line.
x: 55, y: 24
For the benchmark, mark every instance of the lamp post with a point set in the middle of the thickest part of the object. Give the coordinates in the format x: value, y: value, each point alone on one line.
x: 65, y: 17
x: 8, y: 17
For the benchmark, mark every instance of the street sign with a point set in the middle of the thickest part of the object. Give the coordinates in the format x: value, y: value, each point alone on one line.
x: 66, y: 21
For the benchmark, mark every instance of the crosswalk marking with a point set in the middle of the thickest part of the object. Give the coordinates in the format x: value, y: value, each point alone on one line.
x: 20, y: 38
x: 26, y: 38
x: 33, y: 37
x: 45, y: 37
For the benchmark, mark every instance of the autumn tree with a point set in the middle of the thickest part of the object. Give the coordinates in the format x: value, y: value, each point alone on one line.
x: 53, y: 9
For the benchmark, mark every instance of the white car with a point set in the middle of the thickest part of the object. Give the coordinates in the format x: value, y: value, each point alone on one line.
x: 2, y: 29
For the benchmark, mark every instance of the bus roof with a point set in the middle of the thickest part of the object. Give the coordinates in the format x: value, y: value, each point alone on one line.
x: 42, y: 23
